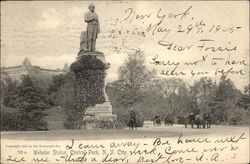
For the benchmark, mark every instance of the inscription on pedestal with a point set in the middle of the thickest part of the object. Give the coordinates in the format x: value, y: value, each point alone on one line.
x: 100, y: 109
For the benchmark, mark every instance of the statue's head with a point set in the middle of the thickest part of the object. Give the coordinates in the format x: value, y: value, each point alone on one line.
x: 92, y: 7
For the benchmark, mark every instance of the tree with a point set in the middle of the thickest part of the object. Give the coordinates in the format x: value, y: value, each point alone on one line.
x: 224, y: 103
x: 61, y: 90
x: 175, y: 92
x: 245, y: 99
x: 133, y: 78
x: 203, y: 91
x: 30, y: 100
x: 130, y: 90
x: 29, y: 96
x: 56, y: 83
x: 9, y: 91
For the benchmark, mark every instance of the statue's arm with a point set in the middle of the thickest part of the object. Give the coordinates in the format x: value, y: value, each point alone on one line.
x: 88, y: 19
x: 98, y: 24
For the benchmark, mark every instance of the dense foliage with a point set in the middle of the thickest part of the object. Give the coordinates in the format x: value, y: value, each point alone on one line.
x: 61, y: 90
x: 172, y: 97
x: 89, y: 81
x: 30, y: 100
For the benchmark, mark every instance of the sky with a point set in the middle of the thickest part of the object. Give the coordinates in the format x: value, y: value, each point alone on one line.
x: 48, y: 33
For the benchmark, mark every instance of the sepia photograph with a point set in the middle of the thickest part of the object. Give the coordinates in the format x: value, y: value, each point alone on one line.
x: 125, y: 81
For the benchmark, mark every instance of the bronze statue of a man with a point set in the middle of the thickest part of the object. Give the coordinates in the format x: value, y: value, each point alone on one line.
x: 93, y: 27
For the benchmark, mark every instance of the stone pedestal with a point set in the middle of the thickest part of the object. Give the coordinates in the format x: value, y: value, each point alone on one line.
x: 90, y: 87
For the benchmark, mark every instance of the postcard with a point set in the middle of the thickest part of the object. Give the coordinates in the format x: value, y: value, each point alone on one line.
x: 125, y: 82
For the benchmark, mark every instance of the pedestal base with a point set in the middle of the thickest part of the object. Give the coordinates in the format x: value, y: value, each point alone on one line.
x: 97, y: 54
x: 99, y: 114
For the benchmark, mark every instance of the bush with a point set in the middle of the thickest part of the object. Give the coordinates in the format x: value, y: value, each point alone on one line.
x: 105, y: 124
x: 8, y: 121
x: 139, y: 119
x: 123, y: 119
x: 74, y: 119
x: 98, y: 124
x: 239, y: 116
x: 181, y: 119
x: 119, y: 124
x: 21, y: 121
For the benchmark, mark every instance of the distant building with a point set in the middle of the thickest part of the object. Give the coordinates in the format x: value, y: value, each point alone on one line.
x: 15, y: 73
